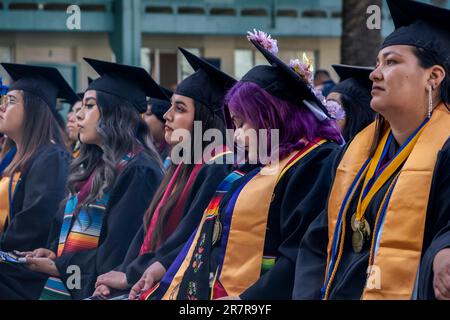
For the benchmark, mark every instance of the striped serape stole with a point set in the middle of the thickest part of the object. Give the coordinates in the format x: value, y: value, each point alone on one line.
x: 78, y: 234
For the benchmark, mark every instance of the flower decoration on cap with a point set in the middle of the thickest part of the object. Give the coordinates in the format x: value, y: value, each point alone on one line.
x: 264, y: 39
x: 334, y: 108
x: 303, y: 68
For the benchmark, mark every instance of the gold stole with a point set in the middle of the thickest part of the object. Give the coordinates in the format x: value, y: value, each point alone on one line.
x: 400, y: 248
x: 244, y: 252
x: 4, y: 198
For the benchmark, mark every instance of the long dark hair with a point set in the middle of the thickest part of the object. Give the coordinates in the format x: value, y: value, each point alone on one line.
x: 209, y: 121
x: 121, y: 129
x: 426, y: 59
x: 39, y: 129
x: 358, y: 116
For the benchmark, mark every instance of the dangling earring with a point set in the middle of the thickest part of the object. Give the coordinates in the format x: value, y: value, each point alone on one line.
x: 430, y: 100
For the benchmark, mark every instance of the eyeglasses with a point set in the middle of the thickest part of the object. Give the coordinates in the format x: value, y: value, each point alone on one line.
x: 6, y: 101
x: 3, y: 100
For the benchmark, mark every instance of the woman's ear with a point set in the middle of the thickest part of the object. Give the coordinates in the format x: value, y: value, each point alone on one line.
x: 437, y: 75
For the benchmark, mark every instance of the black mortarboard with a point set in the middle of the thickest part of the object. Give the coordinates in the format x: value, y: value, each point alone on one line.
x: 207, y: 85
x: 80, y: 95
x: 159, y: 106
x: 130, y: 83
x: 45, y: 82
x: 421, y: 25
x: 280, y: 80
x: 354, y: 82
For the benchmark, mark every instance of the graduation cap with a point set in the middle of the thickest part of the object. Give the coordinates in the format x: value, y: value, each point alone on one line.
x: 80, y: 95
x: 354, y: 82
x: 207, y: 85
x: 159, y: 106
x: 130, y: 83
x: 421, y: 25
x: 283, y: 82
x: 45, y: 82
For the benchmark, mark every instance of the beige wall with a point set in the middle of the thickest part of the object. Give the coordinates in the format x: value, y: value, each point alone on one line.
x: 71, y: 48
x: 326, y: 49
x: 28, y: 47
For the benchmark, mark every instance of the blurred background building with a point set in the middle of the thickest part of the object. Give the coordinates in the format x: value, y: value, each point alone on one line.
x: 148, y: 32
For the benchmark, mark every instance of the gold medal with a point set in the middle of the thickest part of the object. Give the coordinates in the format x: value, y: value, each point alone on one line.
x: 365, y: 228
x: 217, y: 231
x: 357, y: 241
x: 354, y: 223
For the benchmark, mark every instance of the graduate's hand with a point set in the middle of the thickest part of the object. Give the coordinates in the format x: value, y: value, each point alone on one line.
x: 102, y: 290
x: 144, y: 284
x: 441, y: 269
x: 151, y: 276
x: 113, y: 279
x: 43, y: 265
x: 38, y: 253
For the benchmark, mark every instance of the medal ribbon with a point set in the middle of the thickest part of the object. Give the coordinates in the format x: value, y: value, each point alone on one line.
x: 375, y: 177
x: 378, y: 174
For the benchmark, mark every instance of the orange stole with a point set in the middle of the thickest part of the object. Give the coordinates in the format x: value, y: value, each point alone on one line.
x: 400, y: 248
x: 4, y: 199
x: 244, y: 252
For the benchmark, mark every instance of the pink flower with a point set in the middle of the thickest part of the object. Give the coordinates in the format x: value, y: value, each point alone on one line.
x: 335, y: 109
x: 303, y: 69
x: 264, y: 39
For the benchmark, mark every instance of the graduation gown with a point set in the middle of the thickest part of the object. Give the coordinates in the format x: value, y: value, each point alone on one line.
x: 298, y: 198
x: 129, y: 198
x: 351, y: 275
x: 37, y: 200
x: 202, y: 191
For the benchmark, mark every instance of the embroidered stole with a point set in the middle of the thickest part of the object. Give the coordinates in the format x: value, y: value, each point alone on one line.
x: 242, y: 239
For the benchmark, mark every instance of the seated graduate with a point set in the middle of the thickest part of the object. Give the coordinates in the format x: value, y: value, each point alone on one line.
x: 3, y: 92
x: 248, y: 240
x: 189, y: 185
x: 388, y: 213
x: 353, y: 94
x: 154, y: 118
x: 111, y: 184
x: 34, y: 162
x: 71, y: 125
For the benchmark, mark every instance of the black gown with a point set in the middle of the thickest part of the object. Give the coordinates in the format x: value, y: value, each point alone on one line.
x: 201, y: 193
x: 351, y: 274
x: 130, y: 196
x: 37, y: 199
x: 298, y: 198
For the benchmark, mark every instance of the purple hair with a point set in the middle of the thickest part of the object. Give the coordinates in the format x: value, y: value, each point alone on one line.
x: 264, y: 111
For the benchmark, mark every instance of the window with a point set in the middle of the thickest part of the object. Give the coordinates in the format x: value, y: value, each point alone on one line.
x: 167, y: 67
x: 185, y: 67
x: 5, y: 54
x: 243, y: 61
